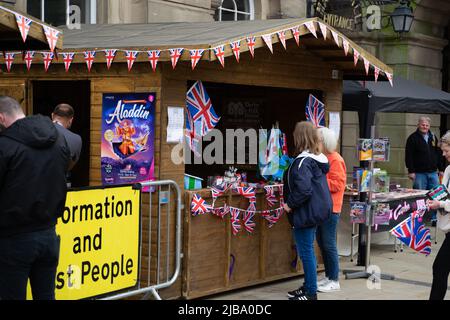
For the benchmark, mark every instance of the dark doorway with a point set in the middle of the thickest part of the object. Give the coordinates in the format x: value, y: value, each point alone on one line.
x: 48, y: 94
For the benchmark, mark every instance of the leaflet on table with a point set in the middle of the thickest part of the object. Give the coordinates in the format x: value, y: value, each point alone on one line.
x: 358, y: 211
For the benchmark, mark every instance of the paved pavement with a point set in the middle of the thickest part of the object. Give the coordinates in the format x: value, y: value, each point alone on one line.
x: 412, y: 271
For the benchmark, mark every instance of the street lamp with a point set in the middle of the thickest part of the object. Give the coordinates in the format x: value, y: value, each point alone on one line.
x: 402, y: 17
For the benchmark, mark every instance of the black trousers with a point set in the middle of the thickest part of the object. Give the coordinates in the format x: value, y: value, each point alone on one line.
x: 31, y: 256
x: 441, y: 270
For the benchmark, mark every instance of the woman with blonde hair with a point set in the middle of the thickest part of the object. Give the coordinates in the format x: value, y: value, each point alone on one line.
x: 327, y: 231
x: 441, y: 265
x: 308, y: 202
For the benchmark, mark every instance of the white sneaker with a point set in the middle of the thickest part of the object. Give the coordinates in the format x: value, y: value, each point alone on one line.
x: 323, y: 281
x: 329, y: 287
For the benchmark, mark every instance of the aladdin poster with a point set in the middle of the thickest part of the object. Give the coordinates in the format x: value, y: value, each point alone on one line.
x: 127, y: 149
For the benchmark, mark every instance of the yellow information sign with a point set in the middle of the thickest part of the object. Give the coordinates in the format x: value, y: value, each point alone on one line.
x: 100, y: 233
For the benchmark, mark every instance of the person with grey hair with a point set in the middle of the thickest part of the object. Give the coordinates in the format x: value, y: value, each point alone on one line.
x: 441, y: 265
x: 423, y: 158
x: 327, y: 232
x: 34, y: 159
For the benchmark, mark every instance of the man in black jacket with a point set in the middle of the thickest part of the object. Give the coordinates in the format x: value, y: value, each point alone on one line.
x: 423, y: 157
x: 34, y: 158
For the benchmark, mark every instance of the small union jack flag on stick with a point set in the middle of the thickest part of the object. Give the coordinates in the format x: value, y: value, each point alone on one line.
x: 414, y: 234
x: 199, y: 205
x: 315, y: 111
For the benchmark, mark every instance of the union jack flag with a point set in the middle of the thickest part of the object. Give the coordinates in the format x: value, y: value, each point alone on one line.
x: 199, y: 205
x: 355, y: 56
x: 220, y: 54
x: 251, y: 45
x: 323, y: 29
x: 222, y: 211
x: 252, y: 206
x: 196, y: 55
x: 235, y: 222
x: 236, y: 48
x: 311, y: 27
x: 175, y: 54
x: 193, y: 140
x: 296, y: 35
x: 268, y: 40
x: 272, y: 216
x: 200, y: 108
x: 9, y: 59
x: 68, y: 58
x: 28, y: 57
x: 89, y: 58
x: 270, y: 195
x: 110, y: 55
x: 414, y: 234
x: 48, y: 58
x: 52, y: 37
x: 24, y: 25
x: 217, y: 191
x: 131, y: 57
x: 249, y: 223
x: 315, y: 111
x: 282, y: 37
x: 153, y: 57
x: 376, y: 73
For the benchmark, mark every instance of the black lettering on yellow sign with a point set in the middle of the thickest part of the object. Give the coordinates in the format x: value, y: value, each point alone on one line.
x: 107, y: 270
x: 88, y: 243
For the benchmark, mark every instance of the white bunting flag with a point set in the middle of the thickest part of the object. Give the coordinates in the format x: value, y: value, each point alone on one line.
x: 110, y: 54
x: 390, y: 77
x: 366, y: 65
x: 24, y: 25
x: 346, y: 45
x: 196, y: 55
x: 335, y: 37
x: 323, y: 29
x: 282, y: 37
x: 376, y: 73
x: 153, y: 57
x: 311, y: 27
x: 175, y: 55
x: 268, y: 40
x: 236, y: 48
x: 52, y: 37
x: 220, y: 54
x: 355, y: 56
x: 67, y: 59
x: 296, y: 35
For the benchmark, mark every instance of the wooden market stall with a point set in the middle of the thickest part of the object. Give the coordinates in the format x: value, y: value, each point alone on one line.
x: 214, y: 260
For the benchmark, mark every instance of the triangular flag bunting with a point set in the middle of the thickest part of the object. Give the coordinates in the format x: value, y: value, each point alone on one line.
x: 196, y: 55
x: 67, y: 59
x: 390, y: 77
x: 366, y: 65
x: 251, y: 45
x: 236, y: 48
x: 220, y: 54
x: 346, y: 45
x: 282, y: 37
x: 48, y: 58
x: 52, y: 37
x: 110, y: 55
x: 131, y: 57
x: 296, y: 35
x: 323, y: 29
x: 335, y: 37
x: 311, y: 27
x: 153, y: 57
x: 28, y: 58
x: 175, y: 55
x: 268, y: 40
x: 376, y: 73
x: 9, y: 59
x: 89, y: 58
x: 355, y: 56
x: 24, y: 25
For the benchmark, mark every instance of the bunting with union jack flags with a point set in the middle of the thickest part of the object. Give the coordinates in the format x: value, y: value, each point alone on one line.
x: 235, y: 222
x: 199, y: 205
x: 248, y: 219
x: 414, y: 234
x: 200, y: 109
x: 24, y: 25
x: 153, y: 57
x: 110, y: 54
x: 315, y: 111
x: 68, y: 58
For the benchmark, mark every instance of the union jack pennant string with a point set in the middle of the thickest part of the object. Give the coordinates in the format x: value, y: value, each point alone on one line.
x: 270, y: 195
x: 222, y: 211
x: 323, y: 29
x: 110, y: 55
x: 296, y: 35
x: 390, y: 77
x: 200, y: 108
x: 335, y: 37
x: 175, y: 55
x: 199, y: 205
x: 24, y: 25
x: 268, y: 40
x: 235, y: 222
x: 249, y: 223
x: 376, y: 73
x: 346, y: 46
x: 220, y: 54
x: 9, y: 59
x: 311, y: 27
x: 28, y: 58
x: 153, y: 57
x: 236, y: 48
x: 68, y: 58
x: 196, y: 55
x: 366, y: 65
x: 251, y: 45
x: 414, y: 234
x: 89, y: 58
x: 282, y: 37
x: 315, y: 111
x: 48, y: 58
x: 131, y: 57
x: 52, y: 37
x: 355, y: 56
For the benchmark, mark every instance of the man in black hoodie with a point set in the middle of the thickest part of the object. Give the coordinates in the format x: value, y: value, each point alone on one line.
x: 34, y: 159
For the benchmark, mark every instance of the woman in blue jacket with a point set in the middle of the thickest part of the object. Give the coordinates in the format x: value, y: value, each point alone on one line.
x: 308, y: 202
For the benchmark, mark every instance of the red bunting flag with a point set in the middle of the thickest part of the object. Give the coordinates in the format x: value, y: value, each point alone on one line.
x: 323, y: 29
x: 89, y: 58
x: 110, y: 55
x: 220, y: 54
x: 196, y: 55
x: 268, y: 40
x: 153, y: 57
x: 355, y: 56
x: 28, y: 58
x: 9, y: 59
x: 282, y: 37
x: 346, y: 45
x: 296, y: 35
x: 52, y: 37
x: 236, y: 48
x: 376, y: 73
x: 48, y: 58
x: 390, y: 77
x: 175, y: 55
x: 366, y: 65
x: 251, y: 45
x: 68, y: 58
x: 311, y: 27
x: 131, y: 57
x: 24, y: 25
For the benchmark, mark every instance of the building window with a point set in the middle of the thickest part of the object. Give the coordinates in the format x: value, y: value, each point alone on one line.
x: 57, y: 13
x: 233, y: 10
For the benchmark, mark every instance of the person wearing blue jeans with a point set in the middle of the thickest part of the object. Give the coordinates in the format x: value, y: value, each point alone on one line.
x: 326, y: 238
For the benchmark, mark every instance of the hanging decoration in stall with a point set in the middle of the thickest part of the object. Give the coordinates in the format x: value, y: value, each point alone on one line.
x: 89, y: 58
x: 24, y: 25
x: 315, y: 111
x: 48, y: 58
x: 128, y: 134
x: 67, y: 58
x: 197, y: 54
x: 9, y: 59
x: 28, y: 58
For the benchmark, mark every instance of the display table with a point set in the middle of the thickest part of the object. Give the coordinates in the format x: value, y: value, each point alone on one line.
x: 215, y: 260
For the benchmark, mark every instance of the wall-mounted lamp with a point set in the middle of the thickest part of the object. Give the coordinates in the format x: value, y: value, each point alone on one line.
x: 402, y: 17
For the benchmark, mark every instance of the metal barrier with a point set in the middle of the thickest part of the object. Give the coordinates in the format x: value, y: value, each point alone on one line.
x: 164, y: 199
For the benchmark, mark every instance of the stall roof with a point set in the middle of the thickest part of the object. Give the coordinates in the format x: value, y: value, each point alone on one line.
x: 11, y: 38
x: 208, y: 35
